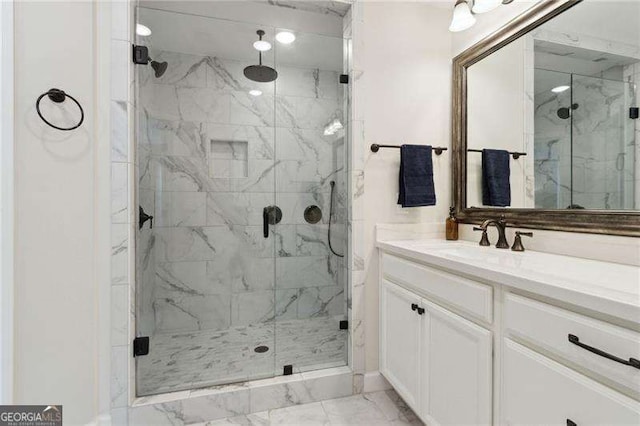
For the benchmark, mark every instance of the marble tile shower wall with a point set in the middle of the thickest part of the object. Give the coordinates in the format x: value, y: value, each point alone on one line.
x: 212, y: 157
x: 593, y: 165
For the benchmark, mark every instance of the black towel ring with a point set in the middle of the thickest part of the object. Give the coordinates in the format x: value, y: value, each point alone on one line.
x: 59, y: 96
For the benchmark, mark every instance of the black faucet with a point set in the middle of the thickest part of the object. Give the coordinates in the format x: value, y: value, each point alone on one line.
x: 501, y: 226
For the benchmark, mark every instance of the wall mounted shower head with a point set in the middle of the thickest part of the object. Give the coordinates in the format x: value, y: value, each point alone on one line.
x: 159, y: 68
x: 260, y: 73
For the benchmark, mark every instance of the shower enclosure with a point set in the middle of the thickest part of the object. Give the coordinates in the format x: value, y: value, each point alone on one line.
x: 584, y: 141
x: 239, y: 185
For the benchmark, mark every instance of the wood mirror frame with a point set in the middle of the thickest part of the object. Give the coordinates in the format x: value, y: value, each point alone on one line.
x: 612, y: 222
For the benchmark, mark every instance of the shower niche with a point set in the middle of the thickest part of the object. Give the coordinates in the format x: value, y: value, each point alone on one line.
x: 224, y: 295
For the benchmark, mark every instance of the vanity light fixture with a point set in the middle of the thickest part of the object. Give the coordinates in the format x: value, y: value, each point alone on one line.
x: 463, y: 14
x: 143, y: 30
x: 462, y: 17
x: 483, y: 6
x: 286, y: 37
x: 255, y: 92
x: 560, y: 89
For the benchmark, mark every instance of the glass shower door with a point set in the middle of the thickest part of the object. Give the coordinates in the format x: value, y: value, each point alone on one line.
x: 206, y: 173
x: 311, y: 131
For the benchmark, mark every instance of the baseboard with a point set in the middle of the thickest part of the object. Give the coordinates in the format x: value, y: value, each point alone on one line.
x: 374, y: 382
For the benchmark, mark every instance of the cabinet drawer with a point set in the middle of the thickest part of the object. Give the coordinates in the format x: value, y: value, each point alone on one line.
x: 549, y: 327
x: 468, y: 296
x: 540, y: 391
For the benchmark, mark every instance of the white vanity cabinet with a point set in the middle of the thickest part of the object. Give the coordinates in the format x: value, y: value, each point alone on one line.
x: 439, y: 362
x: 462, y: 351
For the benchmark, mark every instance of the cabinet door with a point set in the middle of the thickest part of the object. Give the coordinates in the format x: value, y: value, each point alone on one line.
x: 400, y: 341
x: 457, y: 357
x: 538, y: 390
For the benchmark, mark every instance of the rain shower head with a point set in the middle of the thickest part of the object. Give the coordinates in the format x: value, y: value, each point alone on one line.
x: 260, y: 73
x: 159, y: 68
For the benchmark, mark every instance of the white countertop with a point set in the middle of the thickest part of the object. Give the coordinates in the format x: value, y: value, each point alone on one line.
x: 609, y: 288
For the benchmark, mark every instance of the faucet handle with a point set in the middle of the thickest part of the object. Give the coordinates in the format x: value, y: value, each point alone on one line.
x: 484, y: 241
x: 517, y: 243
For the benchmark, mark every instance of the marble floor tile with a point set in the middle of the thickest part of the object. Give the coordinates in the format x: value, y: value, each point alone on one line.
x: 189, y: 360
x: 383, y: 408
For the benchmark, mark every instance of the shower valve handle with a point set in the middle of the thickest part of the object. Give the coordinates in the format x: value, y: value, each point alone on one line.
x: 265, y: 222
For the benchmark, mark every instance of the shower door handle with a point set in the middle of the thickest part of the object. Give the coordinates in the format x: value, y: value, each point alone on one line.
x: 265, y: 222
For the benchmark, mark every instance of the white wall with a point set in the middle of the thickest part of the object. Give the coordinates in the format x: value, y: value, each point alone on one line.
x: 407, y: 82
x: 496, y: 101
x: 55, y: 289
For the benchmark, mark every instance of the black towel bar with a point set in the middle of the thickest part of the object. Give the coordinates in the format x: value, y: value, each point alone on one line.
x: 376, y: 147
x: 515, y: 155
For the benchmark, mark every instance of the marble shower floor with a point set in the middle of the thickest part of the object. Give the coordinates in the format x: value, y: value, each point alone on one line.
x: 190, y: 360
x: 383, y: 408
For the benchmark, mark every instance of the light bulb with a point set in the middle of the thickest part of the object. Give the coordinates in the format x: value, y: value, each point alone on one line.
x: 262, y: 45
x: 255, y: 92
x: 560, y: 89
x: 143, y: 30
x: 285, y: 37
x: 462, y: 17
x: 483, y: 6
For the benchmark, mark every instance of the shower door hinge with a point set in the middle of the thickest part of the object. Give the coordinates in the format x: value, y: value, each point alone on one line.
x: 288, y: 370
x: 140, y: 55
x: 141, y: 346
x: 344, y: 325
x: 634, y: 113
x: 344, y: 78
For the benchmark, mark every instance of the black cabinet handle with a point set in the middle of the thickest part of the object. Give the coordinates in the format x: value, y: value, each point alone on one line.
x: 265, y: 222
x: 417, y: 308
x: 571, y: 423
x: 632, y: 361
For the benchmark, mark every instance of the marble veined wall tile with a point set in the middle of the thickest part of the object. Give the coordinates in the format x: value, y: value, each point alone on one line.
x: 179, y: 138
x: 321, y: 301
x: 187, y: 313
x: 188, y: 174
x: 237, y: 208
x: 187, y: 278
x: 307, y: 271
x: 307, y: 113
x: 253, y: 307
x: 227, y: 75
x: 197, y: 104
x: 207, y: 243
x: 306, y: 144
x: 286, y: 304
x: 311, y: 240
x: 225, y: 404
x: 241, y: 273
x: 180, y: 209
x: 246, y: 109
x: 120, y: 193
x: 119, y: 131
x: 160, y: 101
x: 120, y: 254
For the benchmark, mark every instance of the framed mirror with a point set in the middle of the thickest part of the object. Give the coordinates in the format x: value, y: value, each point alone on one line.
x: 545, y: 120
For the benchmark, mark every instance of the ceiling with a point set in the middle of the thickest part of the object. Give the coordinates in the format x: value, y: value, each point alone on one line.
x: 204, y: 36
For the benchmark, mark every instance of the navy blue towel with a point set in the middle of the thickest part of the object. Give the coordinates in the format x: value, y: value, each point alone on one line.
x: 496, y: 189
x: 416, y: 176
